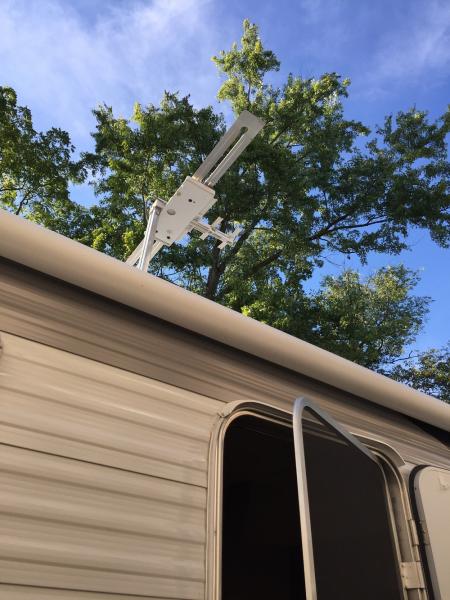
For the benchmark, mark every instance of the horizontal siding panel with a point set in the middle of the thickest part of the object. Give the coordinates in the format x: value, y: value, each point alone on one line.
x: 31, y: 412
x: 56, y: 576
x: 16, y: 435
x: 77, y: 525
x: 103, y: 477
x: 139, y: 343
x: 60, y: 544
x: 141, y: 505
x: 37, y: 466
x: 167, y: 401
x: 22, y: 592
x: 57, y: 402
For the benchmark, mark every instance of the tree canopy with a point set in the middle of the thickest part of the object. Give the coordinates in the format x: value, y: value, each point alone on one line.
x: 369, y: 321
x: 36, y: 168
x: 312, y: 183
x: 428, y: 372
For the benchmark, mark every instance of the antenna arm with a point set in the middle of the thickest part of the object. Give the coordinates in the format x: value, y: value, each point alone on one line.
x: 170, y: 221
x: 229, y: 148
x: 149, y: 238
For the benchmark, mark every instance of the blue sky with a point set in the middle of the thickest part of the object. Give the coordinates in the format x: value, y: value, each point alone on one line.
x: 66, y: 56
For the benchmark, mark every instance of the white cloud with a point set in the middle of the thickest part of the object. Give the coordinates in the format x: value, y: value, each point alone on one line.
x: 63, y: 62
x: 64, y: 57
x: 416, y: 49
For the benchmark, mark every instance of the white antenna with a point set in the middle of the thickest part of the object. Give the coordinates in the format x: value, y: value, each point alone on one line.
x: 170, y: 221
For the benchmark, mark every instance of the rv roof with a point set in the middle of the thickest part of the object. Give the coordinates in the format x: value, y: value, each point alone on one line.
x: 38, y: 248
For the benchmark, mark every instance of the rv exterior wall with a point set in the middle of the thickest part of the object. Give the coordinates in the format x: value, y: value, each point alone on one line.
x: 56, y: 314
x: 106, y: 424
x: 69, y: 261
x: 103, y: 477
x: 105, y: 462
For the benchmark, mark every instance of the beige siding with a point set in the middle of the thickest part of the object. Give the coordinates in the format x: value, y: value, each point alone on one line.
x: 59, y: 315
x: 103, y: 476
x: 105, y: 420
x: 57, y: 402
x: 20, y: 592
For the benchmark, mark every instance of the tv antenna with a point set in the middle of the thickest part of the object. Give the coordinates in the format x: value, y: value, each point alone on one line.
x: 169, y: 221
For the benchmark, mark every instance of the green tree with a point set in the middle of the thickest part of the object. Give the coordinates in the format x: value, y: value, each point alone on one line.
x: 428, y: 372
x: 369, y: 321
x: 136, y: 161
x: 312, y: 183
x: 307, y: 186
x: 36, y: 168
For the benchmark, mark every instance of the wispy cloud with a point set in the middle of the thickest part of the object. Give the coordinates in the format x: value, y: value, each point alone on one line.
x: 63, y: 62
x: 381, y: 45
x: 419, y: 46
x: 316, y: 11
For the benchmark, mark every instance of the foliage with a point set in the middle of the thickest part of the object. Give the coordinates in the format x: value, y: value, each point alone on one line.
x: 367, y: 321
x: 36, y: 168
x: 139, y: 160
x: 429, y: 372
x: 306, y: 186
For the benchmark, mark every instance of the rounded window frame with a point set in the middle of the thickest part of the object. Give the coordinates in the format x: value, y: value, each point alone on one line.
x: 391, y: 463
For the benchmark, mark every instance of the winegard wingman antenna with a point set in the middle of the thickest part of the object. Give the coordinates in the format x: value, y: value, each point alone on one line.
x: 170, y: 221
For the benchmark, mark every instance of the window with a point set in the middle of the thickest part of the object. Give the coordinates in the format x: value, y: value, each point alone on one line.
x: 304, y: 513
x: 261, y: 545
x: 431, y: 487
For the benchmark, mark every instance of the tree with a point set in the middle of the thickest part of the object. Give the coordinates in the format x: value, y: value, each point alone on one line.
x: 36, y: 168
x: 139, y: 160
x: 306, y: 186
x: 428, y: 372
x: 312, y: 183
x: 367, y: 321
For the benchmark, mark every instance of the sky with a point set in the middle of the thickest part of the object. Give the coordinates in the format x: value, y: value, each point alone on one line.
x: 64, y: 57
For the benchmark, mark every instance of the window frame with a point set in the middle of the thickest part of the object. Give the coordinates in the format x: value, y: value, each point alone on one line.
x: 386, y: 457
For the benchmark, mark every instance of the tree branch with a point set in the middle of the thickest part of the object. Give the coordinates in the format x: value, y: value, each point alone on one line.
x: 22, y: 203
x: 238, y: 245
x: 331, y: 227
x: 11, y: 189
x: 214, y: 273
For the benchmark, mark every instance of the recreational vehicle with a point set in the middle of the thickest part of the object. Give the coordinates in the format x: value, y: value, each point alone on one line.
x: 157, y: 445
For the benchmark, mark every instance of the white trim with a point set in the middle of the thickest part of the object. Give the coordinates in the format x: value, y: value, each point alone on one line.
x: 231, y: 411
x: 55, y: 255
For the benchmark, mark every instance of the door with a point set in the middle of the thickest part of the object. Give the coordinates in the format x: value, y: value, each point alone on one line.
x: 431, y: 492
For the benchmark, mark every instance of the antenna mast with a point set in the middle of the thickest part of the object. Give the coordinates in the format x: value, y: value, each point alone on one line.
x: 170, y: 221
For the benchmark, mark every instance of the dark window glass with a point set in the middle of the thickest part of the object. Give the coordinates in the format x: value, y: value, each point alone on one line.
x: 261, y: 555
x: 353, y: 547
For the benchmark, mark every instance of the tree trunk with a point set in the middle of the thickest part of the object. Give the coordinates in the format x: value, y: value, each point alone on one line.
x: 214, y: 275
